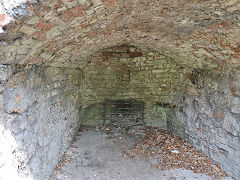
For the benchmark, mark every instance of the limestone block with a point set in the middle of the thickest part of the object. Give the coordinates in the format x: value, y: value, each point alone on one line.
x: 96, y: 2
x: 5, y: 72
x: 27, y: 30
x: 234, y: 7
x: 61, y: 9
x: 1, y: 88
x: 53, y: 32
x: 34, y: 20
x: 46, y: 56
x: 235, y: 109
x: 231, y: 125
x: 23, y: 50
x: 1, y: 102
x: 17, y: 100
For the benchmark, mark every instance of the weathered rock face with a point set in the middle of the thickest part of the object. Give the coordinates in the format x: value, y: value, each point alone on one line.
x: 211, y: 121
x: 39, y: 115
x: 60, y: 59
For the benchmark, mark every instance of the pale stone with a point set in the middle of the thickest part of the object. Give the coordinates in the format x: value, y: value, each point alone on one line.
x: 5, y: 72
x: 236, y: 109
x: 33, y: 20
x: 27, y: 30
x: 97, y: 2
x: 70, y: 4
x: 53, y: 32
x: 61, y: 9
x: 230, y: 125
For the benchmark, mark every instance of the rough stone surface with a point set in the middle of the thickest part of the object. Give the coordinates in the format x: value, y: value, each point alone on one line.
x: 236, y: 109
x: 127, y: 72
x: 211, y: 120
x: 201, y: 34
x: 57, y: 58
x: 39, y: 116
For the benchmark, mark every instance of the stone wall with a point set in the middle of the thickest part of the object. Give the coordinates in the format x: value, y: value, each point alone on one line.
x: 212, y: 118
x: 39, y: 116
x: 60, y: 33
x: 42, y: 107
x: 126, y: 72
x: 59, y: 58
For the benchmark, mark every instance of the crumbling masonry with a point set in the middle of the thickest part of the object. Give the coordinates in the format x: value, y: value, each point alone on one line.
x: 60, y: 60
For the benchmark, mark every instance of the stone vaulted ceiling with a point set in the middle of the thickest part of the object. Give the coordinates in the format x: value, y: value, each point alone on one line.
x: 64, y: 33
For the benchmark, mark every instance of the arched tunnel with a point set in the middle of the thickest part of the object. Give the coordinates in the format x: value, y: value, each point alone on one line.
x: 71, y: 63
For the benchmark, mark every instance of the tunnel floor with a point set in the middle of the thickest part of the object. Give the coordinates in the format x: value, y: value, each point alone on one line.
x: 97, y: 154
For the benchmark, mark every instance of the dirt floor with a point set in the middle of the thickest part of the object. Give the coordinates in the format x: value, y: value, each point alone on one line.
x: 97, y: 155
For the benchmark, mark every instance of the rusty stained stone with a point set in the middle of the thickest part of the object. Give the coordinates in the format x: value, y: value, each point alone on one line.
x: 2, y: 18
x: 218, y: 114
x: 72, y: 13
x: 58, y: 4
x: 233, y: 89
x: 39, y: 36
x: 135, y: 54
x: 237, y: 49
x: 18, y: 98
x: 109, y: 3
x: 43, y: 26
